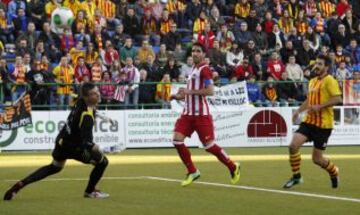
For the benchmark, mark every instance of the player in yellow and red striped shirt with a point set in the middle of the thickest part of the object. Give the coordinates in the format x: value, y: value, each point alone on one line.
x: 324, y: 92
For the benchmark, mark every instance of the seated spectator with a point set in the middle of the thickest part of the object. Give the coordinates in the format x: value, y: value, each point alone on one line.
x: 176, y: 9
x: 242, y: 9
x: 127, y: 51
x: 77, y: 51
x: 20, y: 22
x: 342, y: 73
x: 276, y: 37
x: 108, y: 11
x: 354, y: 50
x: 226, y: 38
x: 206, y: 37
x: 81, y: 72
x: 172, y: 69
x: 163, y: 91
x: 97, y: 70
x: 244, y: 71
x: 275, y: 67
x: 234, y: 57
x: 131, y: 23
x: 120, y: 92
x: 111, y: 55
x: 144, y: 51
x: 259, y: 67
x: 162, y: 56
x: 186, y: 69
x: 254, y: 92
x: 179, y: 54
x: 287, y: 91
x: 90, y: 55
x: 149, y: 27
x: 6, y: 28
x: 215, y: 19
x: 270, y: 93
x: 244, y: 35
x: 217, y: 59
x: 294, y: 71
x: 171, y: 38
x: 67, y: 42
x: 199, y: 24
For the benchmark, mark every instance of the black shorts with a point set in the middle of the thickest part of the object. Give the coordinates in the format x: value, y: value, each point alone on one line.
x: 319, y: 136
x: 67, y: 150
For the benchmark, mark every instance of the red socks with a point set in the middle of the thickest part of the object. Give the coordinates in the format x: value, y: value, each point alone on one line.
x: 185, y: 156
x: 221, y: 156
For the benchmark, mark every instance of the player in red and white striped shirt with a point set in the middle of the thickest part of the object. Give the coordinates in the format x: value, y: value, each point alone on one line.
x: 196, y: 117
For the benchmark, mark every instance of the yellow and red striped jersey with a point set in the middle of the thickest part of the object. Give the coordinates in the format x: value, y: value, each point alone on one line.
x: 320, y: 92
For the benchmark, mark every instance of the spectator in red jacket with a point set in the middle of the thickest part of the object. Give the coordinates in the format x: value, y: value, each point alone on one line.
x: 275, y: 67
x: 243, y: 71
x: 207, y: 37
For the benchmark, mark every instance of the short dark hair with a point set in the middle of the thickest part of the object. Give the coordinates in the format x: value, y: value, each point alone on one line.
x: 85, y: 88
x: 199, y: 45
x: 325, y: 58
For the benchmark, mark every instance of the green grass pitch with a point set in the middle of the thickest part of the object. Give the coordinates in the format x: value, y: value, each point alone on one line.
x: 133, y: 194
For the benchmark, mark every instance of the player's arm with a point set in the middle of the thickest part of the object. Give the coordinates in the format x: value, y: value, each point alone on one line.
x: 334, y: 100
x: 86, y: 126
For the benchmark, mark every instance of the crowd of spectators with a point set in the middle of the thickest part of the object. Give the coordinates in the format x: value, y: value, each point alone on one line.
x: 125, y: 44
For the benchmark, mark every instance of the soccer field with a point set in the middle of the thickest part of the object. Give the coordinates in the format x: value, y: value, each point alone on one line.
x: 148, y: 182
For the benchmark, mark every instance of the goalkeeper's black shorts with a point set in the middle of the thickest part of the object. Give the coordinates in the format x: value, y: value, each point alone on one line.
x: 69, y: 150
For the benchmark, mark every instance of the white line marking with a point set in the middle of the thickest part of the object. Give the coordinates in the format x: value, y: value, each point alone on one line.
x: 294, y: 193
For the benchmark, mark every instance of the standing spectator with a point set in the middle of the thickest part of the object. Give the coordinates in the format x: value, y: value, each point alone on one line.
x: 18, y: 78
x: 133, y: 79
x: 64, y: 77
x: 275, y: 67
x: 146, y: 91
x: 107, y: 89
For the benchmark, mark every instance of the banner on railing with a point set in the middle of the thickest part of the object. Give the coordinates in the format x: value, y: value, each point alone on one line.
x: 351, y: 92
x: 232, y: 97
x: 252, y: 127
x: 16, y: 115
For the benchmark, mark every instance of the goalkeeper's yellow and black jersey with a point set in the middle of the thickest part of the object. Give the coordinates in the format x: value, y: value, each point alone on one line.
x: 79, y: 125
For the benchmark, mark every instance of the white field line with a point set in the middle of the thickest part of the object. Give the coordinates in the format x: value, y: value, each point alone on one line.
x: 285, y: 192
x: 294, y: 193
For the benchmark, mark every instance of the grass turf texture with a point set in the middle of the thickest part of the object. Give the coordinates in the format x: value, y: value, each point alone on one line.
x: 144, y: 196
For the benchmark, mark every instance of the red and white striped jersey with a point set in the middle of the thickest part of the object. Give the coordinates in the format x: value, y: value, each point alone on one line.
x: 196, y: 105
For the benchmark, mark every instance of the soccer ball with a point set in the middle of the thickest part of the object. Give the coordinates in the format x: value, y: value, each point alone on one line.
x: 61, y: 18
